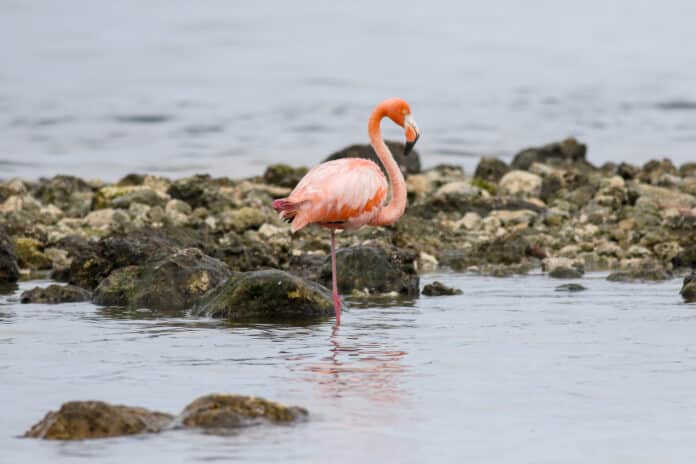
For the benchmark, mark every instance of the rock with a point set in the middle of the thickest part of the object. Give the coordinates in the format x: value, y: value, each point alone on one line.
x: 373, y: 270
x: 569, y: 152
x: 507, y: 250
x: 491, y: 169
x: 9, y: 270
x: 627, y: 171
x: 72, y: 195
x: 564, y: 268
x: 409, y: 164
x: 570, y: 288
x: 688, y: 170
x: 641, y: 274
x: 173, y: 283
x: 688, y: 290
x: 685, y: 258
x: 241, y: 219
x: 79, y: 420
x: 122, y: 196
x: 232, y: 411
x: 201, y: 191
x: 438, y: 288
x: 653, y: 170
x: 284, y: 175
x: 55, y: 294
x: 269, y: 295
x: 665, y: 198
x: 460, y: 189
x: 520, y: 183
x: 107, y: 218
x: 30, y: 255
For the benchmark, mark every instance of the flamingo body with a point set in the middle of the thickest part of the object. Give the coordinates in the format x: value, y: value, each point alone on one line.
x: 341, y: 194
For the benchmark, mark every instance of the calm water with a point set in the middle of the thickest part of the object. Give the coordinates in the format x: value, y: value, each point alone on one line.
x: 100, y: 89
x: 511, y: 371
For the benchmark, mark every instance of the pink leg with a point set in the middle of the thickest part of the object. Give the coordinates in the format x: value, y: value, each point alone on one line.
x: 336, y: 299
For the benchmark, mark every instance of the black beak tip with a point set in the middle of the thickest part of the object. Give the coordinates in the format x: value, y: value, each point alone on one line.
x: 409, y: 145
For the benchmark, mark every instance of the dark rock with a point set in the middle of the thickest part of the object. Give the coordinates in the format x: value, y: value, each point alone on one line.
x: 491, y: 169
x: 438, y: 289
x: 688, y: 170
x: 461, y: 205
x: 374, y: 270
x: 232, y: 411
x: 642, y: 274
x: 627, y: 171
x: 9, y: 270
x: 409, y: 164
x: 685, y: 258
x: 55, y: 294
x: 507, y: 250
x: 269, y: 295
x: 243, y: 254
x: 570, y: 288
x: 200, y: 191
x: 79, y: 420
x: 131, y: 180
x: 173, y: 283
x: 688, y: 290
x: 284, y: 175
x: 653, y: 170
x: 563, y: 272
x: 567, y: 153
x: 71, y: 194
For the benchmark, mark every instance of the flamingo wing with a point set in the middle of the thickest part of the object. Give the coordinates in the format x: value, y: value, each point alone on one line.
x: 344, y: 193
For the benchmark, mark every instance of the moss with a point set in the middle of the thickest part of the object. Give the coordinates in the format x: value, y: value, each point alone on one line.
x: 220, y: 411
x: 29, y: 254
x: 484, y: 185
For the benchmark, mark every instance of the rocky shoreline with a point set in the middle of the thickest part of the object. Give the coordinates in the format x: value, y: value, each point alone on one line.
x: 213, y: 245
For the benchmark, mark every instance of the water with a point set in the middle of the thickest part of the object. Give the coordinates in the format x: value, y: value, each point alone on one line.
x: 510, y: 371
x: 100, y: 89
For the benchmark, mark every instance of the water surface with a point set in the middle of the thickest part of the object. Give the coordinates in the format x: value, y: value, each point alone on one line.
x: 510, y: 371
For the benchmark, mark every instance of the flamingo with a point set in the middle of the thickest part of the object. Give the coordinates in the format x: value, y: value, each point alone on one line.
x: 348, y: 193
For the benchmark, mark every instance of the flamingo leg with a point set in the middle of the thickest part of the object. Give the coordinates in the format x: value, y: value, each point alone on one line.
x: 336, y: 299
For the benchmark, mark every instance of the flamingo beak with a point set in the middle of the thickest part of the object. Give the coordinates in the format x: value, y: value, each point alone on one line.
x: 412, y: 134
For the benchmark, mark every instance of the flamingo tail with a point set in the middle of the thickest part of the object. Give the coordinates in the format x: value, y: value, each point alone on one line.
x: 288, y: 212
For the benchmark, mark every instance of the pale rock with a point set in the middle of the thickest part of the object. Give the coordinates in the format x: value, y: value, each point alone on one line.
x: 427, y: 262
x: 521, y: 183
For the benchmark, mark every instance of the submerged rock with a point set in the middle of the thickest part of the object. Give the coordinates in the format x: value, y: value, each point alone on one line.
x: 571, y: 288
x: 642, y: 274
x: 9, y: 270
x: 688, y: 290
x: 231, y: 411
x: 409, y: 164
x: 268, y: 295
x: 55, y: 294
x: 373, y: 270
x: 173, y: 283
x: 79, y: 420
x: 438, y: 289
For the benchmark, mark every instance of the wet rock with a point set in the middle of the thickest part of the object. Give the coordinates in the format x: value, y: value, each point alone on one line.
x: 563, y: 268
x: 373, y: 270
x: 685, y: 258
x: 173, y: 283
x: 520, y: 183
x: 438, y: 289
x: 55, y: 294
x: 269, y: 295
x: 241, y: 253
x: 72, y: 195
x: 491, y: 169
x: 409, y: 164
x: 284, y: 175
x: 506, y: 250
x: 569, y: 152
x: 30, y: 254
x: 79, y: 420
x: 640, y: 274
x: 688, y: 290
x: 570, y: 288
x: 232, y: 411
x: 9, y: 270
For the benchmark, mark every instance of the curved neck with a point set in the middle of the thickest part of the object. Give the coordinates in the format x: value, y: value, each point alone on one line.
x: 392, y: 211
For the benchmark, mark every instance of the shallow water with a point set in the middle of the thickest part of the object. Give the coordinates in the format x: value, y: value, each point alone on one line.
x: 510, y: 371
x: 100, y: 89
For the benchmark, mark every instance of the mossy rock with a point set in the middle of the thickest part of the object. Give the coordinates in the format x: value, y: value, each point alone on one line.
x: 640, y: 275
x: 55, y: 294
x: 230, y: 411
x: 79, y: 420
x: 30, y: 254
x: 284, y: 175
x: 173, y: 283
x: 9, y: 270
x: 439, y: 289
x: 688, y: 290
x: 268, y: 295
x: 117, y: 196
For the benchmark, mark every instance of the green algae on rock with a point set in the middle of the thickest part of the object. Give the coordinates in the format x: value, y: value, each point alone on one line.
x: 268, y: 295
x: 79, y: 420
x: 437, y: 288
x: 219, y: 411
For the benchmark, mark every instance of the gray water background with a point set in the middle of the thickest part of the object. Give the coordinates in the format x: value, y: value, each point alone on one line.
x: 101, y: 89
x: 509, y: 372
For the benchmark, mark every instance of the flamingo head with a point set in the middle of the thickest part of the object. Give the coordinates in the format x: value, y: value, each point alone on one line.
x: 399, y: 112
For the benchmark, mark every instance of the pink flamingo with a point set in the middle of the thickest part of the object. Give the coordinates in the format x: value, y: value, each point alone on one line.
x: 349, y: 193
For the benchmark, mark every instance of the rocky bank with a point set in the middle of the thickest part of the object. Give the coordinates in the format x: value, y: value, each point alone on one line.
x: 215, y: 245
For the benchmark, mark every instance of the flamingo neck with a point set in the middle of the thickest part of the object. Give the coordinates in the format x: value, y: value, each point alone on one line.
x: 393, y: 210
